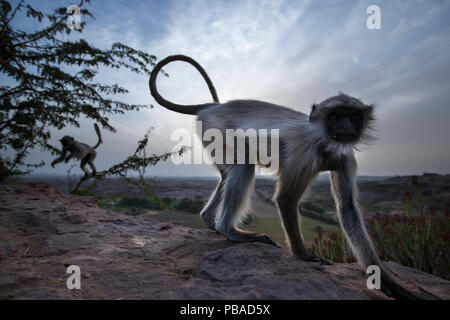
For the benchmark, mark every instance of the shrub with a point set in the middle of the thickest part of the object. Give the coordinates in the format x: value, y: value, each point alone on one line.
x: 418, y: 238
x: 190, y: 205
x: 335, y: 248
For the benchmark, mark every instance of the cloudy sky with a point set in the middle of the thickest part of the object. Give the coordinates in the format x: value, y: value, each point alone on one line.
x: 292, y: 53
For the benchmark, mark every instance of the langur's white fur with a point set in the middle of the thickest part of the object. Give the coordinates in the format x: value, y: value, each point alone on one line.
x: 308, y: 145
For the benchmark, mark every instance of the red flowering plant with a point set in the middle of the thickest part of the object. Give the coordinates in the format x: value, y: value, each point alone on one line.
x: 418, y: 238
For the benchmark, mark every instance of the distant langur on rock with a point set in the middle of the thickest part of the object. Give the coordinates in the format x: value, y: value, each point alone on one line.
x: 323, y: 141
x: 73, y: 148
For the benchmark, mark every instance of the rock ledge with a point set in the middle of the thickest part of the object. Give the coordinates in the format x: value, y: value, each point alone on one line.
x: 43, y: 231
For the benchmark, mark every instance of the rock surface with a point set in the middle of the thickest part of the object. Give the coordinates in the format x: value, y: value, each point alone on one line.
x: 43, y: 231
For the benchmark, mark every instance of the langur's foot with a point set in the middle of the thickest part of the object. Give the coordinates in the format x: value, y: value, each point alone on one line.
x: 236, y: 235
x: 209, y: 222
x: 310, y: 258
x: 392, y: 289
x: 209, y: 219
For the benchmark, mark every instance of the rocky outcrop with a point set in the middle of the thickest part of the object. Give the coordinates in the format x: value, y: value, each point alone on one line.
x: 43, y: 231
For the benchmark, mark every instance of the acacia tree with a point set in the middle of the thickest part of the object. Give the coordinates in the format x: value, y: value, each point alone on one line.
x: 43, y: 92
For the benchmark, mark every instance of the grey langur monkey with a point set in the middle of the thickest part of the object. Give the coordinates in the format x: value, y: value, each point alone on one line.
x: 79, y: 150
x: 323, y: 141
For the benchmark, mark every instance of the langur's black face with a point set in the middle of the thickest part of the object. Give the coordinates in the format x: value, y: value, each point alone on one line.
x: 66, y: 140
x: 345, y: 119
x: 345, y: 124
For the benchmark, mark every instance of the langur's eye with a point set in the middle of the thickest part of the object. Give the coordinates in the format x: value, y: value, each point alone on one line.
x: 356, y: 117
x: 333, y: 117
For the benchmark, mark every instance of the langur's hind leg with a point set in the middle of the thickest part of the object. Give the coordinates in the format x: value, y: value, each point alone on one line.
x: 209, y: 212
x: 91, y: 163
x: 238, y: 183
x: 94, y: 169
x: 83, y: 163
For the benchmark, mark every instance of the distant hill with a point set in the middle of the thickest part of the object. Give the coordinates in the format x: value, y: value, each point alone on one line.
x: 378, y: 194
x: 384, y: 195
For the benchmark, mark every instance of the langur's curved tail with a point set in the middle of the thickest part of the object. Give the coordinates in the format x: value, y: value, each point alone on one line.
x: 100, y: 141
x: 186, y: 109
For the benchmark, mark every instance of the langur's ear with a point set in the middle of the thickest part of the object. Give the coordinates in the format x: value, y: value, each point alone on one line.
x: 369, y: 108
x: 313, y: 109
x: 369, y: 111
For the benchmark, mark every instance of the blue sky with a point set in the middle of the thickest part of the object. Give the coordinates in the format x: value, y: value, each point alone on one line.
x: 292, y: 53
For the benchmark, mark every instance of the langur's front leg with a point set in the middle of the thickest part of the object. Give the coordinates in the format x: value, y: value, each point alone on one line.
x: 287, y: 196
x: 239, y: 179
x: 59, y: 159
x: 343, y: 182
x: 69, y: 157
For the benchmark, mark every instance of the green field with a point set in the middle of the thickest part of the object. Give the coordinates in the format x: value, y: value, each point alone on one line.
x: 272, y: 227
x: 268, y: 225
